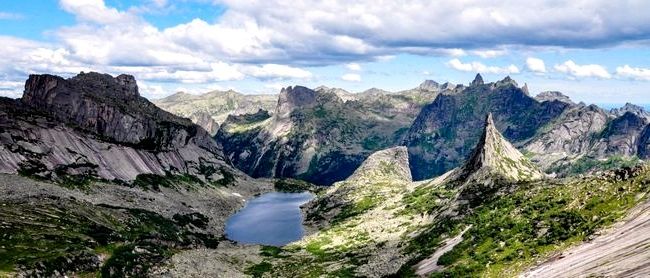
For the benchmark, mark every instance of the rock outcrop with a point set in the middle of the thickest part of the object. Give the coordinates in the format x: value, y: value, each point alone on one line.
x: 320, y: 135
x: 478, y: 80
x: 97, y: 125
x: 446, y: 130
x: 571, y: 134
x: 621, y: 136
x: 429, y: 85
x: 495, y: 156
x: 551, y: 96
x: 631, y: 108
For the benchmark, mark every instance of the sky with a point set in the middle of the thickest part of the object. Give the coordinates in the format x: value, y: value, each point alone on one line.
x: 594, y: 51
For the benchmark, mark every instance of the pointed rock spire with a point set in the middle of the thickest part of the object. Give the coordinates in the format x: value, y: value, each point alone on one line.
x: 496, y: 155
x: 507, y: 81
x: 478, y: 80
x: 525, y: 89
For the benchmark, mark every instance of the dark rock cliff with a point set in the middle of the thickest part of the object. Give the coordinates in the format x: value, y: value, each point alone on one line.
x: 446, y: 130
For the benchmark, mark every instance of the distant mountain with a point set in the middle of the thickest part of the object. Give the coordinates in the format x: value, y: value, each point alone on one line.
x: 552, y: 95
x: 209, y: 110
x: 634, y: 109
x: 445, y: 131
x: 319, y: 135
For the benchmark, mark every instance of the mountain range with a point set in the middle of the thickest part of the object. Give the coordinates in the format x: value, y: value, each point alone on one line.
x: 441, y: 180
x: 321, y: 135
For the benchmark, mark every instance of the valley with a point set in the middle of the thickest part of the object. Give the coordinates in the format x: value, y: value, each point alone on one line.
x: 442, y: 180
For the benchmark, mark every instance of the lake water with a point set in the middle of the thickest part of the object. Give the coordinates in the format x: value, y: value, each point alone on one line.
x: 270, y: 219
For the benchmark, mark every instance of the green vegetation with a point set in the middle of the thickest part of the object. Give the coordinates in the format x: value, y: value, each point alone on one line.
x: 258, y: 270
x: 294, y: 186
x: 426, y: 199
x: 66, y: 235
x: 512, y: 231
x: 356, y: 208
x: 135, y: 259
x: 169, y: 180
x: 375, y: 142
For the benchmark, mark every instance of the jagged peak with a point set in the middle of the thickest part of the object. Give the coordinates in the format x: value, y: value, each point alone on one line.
x: 478, y: 80
x: 429, y: 85
x: 390, y: 163
x: 525, y: 89
x: 507, y: 81
x: 497, y: 156
x: 448, y: 86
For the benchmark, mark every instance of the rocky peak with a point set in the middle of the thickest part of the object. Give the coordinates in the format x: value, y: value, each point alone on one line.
x: 390, y: 163
x: 294, y: 97
x: 112, y: 108
x: 478, y: 80
x: 507, y: 81
x: 525, y: 89
x: 447, y: 86
x: 341, y: 93
x: 429, y: 85
x: 122, y: 86
x: 553, y: 95
x: 495, y: 155
x: 630, y: 108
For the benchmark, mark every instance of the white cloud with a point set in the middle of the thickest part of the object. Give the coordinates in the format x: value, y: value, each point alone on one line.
x: 219, y: 71
x: 11, y: 89
x: 481, y: 68
x: 275, y: 86
x: 151, y: 91
x: 353, y: 66
x: 277, y: 71
x: 489, y: 53
x: 574, y: 70
x: 633, y: 73
x: 10, y: 16
x: 95, y: 11
x: 331, y: 32
x: 351, y: 77
x: 535, y: 65
x: 256, y: 38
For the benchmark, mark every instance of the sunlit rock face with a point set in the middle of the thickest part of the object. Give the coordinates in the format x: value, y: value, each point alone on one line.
x: 98, y: 125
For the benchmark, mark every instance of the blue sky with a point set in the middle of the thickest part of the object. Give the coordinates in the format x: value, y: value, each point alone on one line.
x: 594, y: 51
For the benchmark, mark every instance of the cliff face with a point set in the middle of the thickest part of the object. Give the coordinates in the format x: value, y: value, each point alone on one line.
x: 571, y: 134
x: 319, y: 135
x: 97, y: 125
x: 445, y: 131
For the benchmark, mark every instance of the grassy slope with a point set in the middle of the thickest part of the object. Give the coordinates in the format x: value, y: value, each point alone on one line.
x: 515, y: 228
